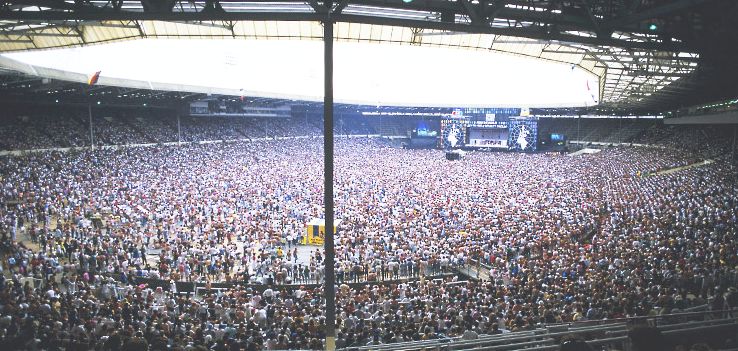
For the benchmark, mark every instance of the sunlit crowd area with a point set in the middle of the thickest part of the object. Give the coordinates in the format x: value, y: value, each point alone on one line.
x: 98, y: 244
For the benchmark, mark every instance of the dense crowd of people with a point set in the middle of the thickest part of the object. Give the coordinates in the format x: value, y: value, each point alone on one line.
x: 566, y: 239
x: 705, y: 141
x: 73, y: 130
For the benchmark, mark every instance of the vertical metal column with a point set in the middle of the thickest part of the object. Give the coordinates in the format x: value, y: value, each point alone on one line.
x: 179, y: 130
x: 330, y: 286
x: 92, y: 136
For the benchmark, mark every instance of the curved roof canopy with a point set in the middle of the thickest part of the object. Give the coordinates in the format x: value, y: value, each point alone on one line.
x: 632, y: 60
x: 364, y: 73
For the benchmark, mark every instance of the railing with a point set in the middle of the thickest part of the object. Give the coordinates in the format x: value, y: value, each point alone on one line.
x: 612, y: 334
x: 475, y: 266
x: 597, y: 143
x: 198, y: 287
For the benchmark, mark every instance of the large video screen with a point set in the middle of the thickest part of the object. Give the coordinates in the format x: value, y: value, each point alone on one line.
x: 523, y: 134
x: 453, y: 133
x: 557, y: 137
x: 490, y: 138
x: 424, y: 129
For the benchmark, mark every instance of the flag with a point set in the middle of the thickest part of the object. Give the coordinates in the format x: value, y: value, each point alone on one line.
x: 591, y: 93
x: 93, y: 79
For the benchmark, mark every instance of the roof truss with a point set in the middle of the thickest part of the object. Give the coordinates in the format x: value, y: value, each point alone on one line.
x: 609, y: 38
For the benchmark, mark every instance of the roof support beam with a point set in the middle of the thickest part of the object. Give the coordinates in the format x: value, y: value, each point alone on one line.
x: 667, y: 63
x: 601, y: 32
x: 151, y: 16
x: 471, y: 10
x: 341, y: 5
x: 655, y: 75
x: 531, y: 33
x: 55, y: 4
x: 19, y: 41
x: 163, y: 6
x: 319, y: 8
x: 486, y: 10
x: 112, y: 25
x: 41, y: 34
x: 655, y: 12
x: 492, y: 11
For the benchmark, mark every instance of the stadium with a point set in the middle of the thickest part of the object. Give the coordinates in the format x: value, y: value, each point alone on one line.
x: 368, y: 175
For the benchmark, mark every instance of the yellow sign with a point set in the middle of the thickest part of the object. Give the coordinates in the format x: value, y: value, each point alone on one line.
x: 315, y: 231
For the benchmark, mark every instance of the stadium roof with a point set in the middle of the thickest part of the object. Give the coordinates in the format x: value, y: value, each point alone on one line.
x: 646, y: 52
x: 364, y: 74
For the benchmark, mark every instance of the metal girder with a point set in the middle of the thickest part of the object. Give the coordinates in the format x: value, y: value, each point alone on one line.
x: 676, y: 88
x: 667, y: 63
x: 531, y: 33
x: 159, y: 16
x: 470, y: 10
x: 40, y: 34
x: 494, y: 10
x: 569, y: 52
x: 340, y: 6
x: 652, y: 74
x: 592, y: 18
x: 56, y: 4
x: 631, y: 57
x: 319, y: 8
x: 160, y: 5
x: 417, y: 36
x: 655, y: 12
x: 113, y: 25
x: 526, y: 21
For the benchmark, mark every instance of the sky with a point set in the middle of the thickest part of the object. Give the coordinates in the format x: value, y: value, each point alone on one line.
x: 365, y: 73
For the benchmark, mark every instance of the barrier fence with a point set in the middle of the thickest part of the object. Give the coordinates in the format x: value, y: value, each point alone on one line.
x: 611, y: 334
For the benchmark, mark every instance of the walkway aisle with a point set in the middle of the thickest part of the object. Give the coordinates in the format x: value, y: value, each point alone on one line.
x: 677, y: 169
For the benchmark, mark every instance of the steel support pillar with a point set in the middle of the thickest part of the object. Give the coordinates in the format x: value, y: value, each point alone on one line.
x: 330, y: 284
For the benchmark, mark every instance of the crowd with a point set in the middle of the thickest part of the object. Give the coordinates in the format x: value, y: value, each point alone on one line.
x: 116, y: 131
x: 43, y: 132
x: 216, y: 128
x: 568, y: 239
x: 703, y: 141
x: 40, y: 132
